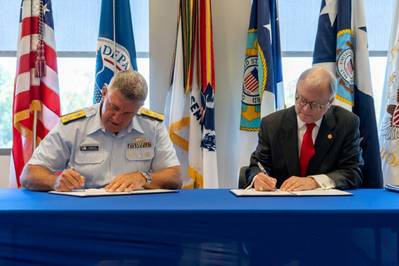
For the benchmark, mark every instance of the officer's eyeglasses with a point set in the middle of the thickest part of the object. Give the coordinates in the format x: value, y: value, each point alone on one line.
x: 312, y: 105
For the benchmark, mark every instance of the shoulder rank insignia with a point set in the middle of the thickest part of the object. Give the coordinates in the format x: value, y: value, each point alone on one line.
x: 65, y: 119
x: 151, y: 114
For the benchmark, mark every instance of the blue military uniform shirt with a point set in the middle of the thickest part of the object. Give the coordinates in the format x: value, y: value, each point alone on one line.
x: 100, y: 155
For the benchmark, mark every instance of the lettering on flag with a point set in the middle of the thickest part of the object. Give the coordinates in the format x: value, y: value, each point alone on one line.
x: 191, y: 117
x: 115, y: 46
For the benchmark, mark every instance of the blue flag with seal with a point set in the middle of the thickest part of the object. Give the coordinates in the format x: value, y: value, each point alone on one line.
x: 115, y: 47
x: 262, y: 89
x: 341, y: 47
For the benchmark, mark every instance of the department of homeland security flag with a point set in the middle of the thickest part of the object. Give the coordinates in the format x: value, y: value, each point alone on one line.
x: 389, y: 134
x: 115, y: 47
x: 262, y: 89
x: 191, y: 117
x: 341, y: 47
x: 36, y: 105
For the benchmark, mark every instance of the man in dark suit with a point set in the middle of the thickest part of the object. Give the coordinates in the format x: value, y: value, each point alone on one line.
x: 312, y: 144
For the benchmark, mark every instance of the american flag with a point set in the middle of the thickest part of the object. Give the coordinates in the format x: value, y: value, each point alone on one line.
x: 395, y: 117
x: 251, y: 81
x: 36, y: 105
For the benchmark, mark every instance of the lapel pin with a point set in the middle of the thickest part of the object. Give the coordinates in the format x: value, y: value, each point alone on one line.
x: 330, y: 136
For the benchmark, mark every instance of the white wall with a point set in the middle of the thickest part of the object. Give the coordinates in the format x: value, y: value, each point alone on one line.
x: 4, y: 170
x: 230, y: 24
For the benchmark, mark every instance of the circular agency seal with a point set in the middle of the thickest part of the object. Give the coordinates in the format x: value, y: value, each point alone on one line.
x: 345, y: 66
x: 250, y: 94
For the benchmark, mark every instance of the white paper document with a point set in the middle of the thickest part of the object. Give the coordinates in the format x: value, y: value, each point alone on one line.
x: 392, y: 187
x: 314, y: 192
x: 102, y: 192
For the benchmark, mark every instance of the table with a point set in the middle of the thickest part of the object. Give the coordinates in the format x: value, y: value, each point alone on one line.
x: 203, y: 227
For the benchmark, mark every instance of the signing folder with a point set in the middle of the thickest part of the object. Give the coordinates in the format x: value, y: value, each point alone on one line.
x: 314, y: 192
x: 392, y: 187
x: 102, y: 192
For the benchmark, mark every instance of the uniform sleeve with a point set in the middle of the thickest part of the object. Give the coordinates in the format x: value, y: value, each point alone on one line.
x: 165, y: 154
x: 53, y: 151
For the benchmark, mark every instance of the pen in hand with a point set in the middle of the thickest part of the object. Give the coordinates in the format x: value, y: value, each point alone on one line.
x: 261, y: 168
x: 82, y: 188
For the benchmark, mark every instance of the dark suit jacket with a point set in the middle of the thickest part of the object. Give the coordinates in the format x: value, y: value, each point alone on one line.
x: 338, y: 154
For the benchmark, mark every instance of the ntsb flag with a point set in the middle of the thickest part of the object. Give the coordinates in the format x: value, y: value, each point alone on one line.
x: 341, y: 47
x: 262, y: 89
x: 115, y: 47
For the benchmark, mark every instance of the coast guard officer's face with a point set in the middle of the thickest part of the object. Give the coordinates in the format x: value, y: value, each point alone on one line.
x: 313, y: 97
x: 117, y: 111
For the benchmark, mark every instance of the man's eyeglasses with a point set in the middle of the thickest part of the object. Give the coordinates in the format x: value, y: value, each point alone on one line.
x: 312, y: 105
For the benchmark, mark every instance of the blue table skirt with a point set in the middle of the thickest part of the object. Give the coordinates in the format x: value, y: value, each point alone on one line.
x: 203, y: 227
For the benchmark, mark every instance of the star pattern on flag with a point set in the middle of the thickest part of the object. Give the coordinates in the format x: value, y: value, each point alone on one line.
x: 97, y: 95
x: 36, y: 8
x: 45, y: 9
x: 268, y: 27
x: 331, y: 9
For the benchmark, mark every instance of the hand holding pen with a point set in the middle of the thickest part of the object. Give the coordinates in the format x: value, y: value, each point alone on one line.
x: 263, y: 182
x: 69, y: 180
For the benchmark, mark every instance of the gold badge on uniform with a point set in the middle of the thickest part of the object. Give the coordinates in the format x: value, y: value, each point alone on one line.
x: 330, y: 136
x: 139, y: 143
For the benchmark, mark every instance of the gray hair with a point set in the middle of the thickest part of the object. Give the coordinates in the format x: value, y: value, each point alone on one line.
x: 323, y: 73
x: 130, y: 84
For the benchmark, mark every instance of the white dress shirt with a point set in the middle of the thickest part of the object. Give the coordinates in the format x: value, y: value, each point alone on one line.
x: 322, y: 180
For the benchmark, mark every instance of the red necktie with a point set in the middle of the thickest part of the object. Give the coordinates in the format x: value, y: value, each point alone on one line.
x: 307, y: 149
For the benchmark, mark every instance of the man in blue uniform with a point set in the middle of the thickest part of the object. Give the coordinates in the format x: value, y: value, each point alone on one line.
x: 115, y: 144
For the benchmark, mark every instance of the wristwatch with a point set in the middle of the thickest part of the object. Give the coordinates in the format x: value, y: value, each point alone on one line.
x: 147, y: 176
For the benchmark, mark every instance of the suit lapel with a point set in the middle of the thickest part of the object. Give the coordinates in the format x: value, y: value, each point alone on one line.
x: 324, y: 140
x: 289, y: 141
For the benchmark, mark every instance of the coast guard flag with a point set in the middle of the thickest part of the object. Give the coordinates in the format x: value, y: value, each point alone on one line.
x: 191, y: 117
x: 389, y: 134
x: 36, y: 105
x: 341, y: 47
x: 115, y: 47
x: 262, y: 89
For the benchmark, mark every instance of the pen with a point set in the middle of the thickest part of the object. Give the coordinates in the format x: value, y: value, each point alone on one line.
x: 78, y: 189
x: 261, y: 168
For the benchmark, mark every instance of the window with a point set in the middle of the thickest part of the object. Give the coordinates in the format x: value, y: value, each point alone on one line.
x: 76, y: 45
x: 7, y: 72
x: 76, y: 81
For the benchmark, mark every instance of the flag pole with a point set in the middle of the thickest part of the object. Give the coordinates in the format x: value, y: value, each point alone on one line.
x: 36, y: 74
x: 40, y: 69
x: 114, y: 34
